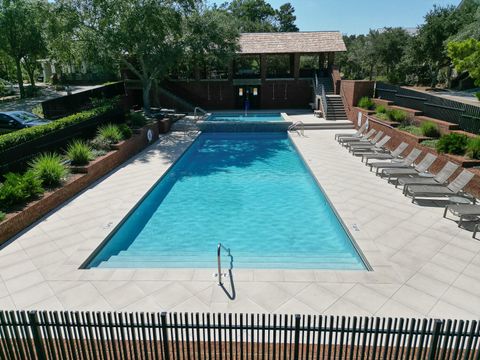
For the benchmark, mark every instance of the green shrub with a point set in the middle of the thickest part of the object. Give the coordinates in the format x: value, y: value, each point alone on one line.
x: 49, y: 168
x: 430, y: 129
x: 19, y: 137
x: 125, y: 130
x: 397, y: 115
x: 17, y: 189
x: 452, y: 144
x: 79, y: 153
x: 2, y: 216
x: 381, y: 109
x: 430, y: 143
x: 100, y: 144
x: 366, y: 103
x: 136, y: 119
x: 382, y: 116
x: 110, y: 132
x: 473, y: 148
x: 478, y: 95
x: 412, y: 129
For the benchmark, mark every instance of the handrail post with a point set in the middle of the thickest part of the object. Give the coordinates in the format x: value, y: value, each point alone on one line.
x: 296, y: 337
x: 37, y: 338
x: 219, y: 264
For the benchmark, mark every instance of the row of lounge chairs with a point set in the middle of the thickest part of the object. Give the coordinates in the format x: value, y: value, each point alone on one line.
x: 412, y: 175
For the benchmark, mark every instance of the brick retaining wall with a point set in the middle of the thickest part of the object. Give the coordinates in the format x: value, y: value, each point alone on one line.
x: 16, y: 222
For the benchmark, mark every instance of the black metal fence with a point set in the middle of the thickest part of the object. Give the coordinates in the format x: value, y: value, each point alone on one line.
x: 74, y: 335
x: 465, y: 115
x: 70, y: 104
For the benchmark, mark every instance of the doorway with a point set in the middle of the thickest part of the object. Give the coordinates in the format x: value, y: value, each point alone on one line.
x: 247, y: 97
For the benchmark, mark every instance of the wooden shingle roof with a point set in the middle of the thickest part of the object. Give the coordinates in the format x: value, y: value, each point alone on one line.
x: 291, y: 42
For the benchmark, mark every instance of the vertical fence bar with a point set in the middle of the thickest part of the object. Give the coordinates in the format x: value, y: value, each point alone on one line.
x: 296, y: 337
x: 37, y: 338
x: 163, y: 323
x: 437, y: 328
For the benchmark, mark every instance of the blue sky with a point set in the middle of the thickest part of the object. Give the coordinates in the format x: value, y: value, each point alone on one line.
x: 358, y: 16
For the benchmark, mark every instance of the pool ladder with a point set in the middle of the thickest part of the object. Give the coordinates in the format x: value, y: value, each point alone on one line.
x: 220, y: 246
x: 299, y: 127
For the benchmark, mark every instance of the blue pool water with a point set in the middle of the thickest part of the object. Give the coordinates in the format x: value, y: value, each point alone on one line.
x: 250, y: 191
x: 251, y: 117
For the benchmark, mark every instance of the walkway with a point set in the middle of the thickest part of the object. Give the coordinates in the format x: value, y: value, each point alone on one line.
x: 423, y: 265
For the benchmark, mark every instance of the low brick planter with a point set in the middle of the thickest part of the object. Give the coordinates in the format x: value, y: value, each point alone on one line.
x: 393, y: 124
x: 17, y: 221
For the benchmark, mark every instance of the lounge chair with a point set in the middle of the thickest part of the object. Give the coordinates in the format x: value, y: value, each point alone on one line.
x: 379, y: 147
x: 395, y: 154
x: 405, y: 163
x: 440, y: 179
x: 432, y: 191
x: 463, y: 211
x: 475, y: 230
x: 363, y: 143
x: 365, y: 137
x: 358, y: 134
x: 418, y: 169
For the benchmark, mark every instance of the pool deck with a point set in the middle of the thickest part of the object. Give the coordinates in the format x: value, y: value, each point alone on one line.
x: 424, y: 265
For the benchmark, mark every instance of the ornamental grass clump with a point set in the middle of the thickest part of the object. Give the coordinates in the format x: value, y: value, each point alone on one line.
x: 18, y: 189
x: 396, y: 115
x: 430, y: 129
x: 136, y: 119
x: 49, y: 168
x: 473, y: 148
x: 110, y: 133
x: 79, y: 153
x: 452, y: 143
x: 366, y: 103
x: 381, y: 109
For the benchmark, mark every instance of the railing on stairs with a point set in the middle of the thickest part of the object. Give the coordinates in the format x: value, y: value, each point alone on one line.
x: 323, y: 102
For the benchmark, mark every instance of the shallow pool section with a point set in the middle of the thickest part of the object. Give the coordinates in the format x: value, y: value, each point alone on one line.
x: 250, y: 191
x: 242, y: 117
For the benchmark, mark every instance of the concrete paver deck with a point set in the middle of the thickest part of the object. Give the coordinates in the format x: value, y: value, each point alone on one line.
x: 423, y: 265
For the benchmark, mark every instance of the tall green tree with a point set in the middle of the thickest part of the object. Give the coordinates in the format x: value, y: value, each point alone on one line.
x: 150, y: 37
x: 286, y: 18
x: 21, y: 36
x: 466, y: 57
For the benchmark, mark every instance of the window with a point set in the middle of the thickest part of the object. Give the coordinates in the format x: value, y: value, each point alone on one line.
x: 309, y: 64
x: 247, y: 67
x: 279, y: 66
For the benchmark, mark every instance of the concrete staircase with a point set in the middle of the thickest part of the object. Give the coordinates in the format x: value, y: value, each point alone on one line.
x: 335, y: 108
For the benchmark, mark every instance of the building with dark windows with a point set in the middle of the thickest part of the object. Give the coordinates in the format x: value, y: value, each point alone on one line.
x: 271, y: 71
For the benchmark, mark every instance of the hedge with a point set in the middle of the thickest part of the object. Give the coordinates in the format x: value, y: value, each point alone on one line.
x: 19, y: 137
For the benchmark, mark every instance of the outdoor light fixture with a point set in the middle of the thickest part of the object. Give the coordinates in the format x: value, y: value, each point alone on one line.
x: 255, y: 91
x: 240, y: 92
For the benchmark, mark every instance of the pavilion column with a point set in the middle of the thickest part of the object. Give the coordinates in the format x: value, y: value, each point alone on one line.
x: 263, y: 67
x: 321, y: 61
x: 296, y: 66
x: 331, y: 58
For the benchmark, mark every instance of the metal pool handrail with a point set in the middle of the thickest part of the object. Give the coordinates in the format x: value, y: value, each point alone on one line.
x: 198, y: 109
x: 294, y: 127
x: 219, y: 261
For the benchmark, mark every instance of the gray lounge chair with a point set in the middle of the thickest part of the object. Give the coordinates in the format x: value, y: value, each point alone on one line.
x: 395, y: 154
x: 405, y: 163
x: 463, y: 211
x: 440, y: 179
x: 368, y: 143
x: 358, y: 134
x: 379, y: 147
x: 418, y: 169
x: 432, y: 191
x: 365, y: 137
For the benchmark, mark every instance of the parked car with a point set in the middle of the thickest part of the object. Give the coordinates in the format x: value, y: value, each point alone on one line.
x: 16, y: 120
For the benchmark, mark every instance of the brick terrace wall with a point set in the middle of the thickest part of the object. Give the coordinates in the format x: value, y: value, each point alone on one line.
x: 398, y: 137
x: 353, y: 90
x: 16, y: 222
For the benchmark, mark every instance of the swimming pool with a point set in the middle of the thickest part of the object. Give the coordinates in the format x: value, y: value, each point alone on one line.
x: 250, y: 117
x: 250, y: 191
